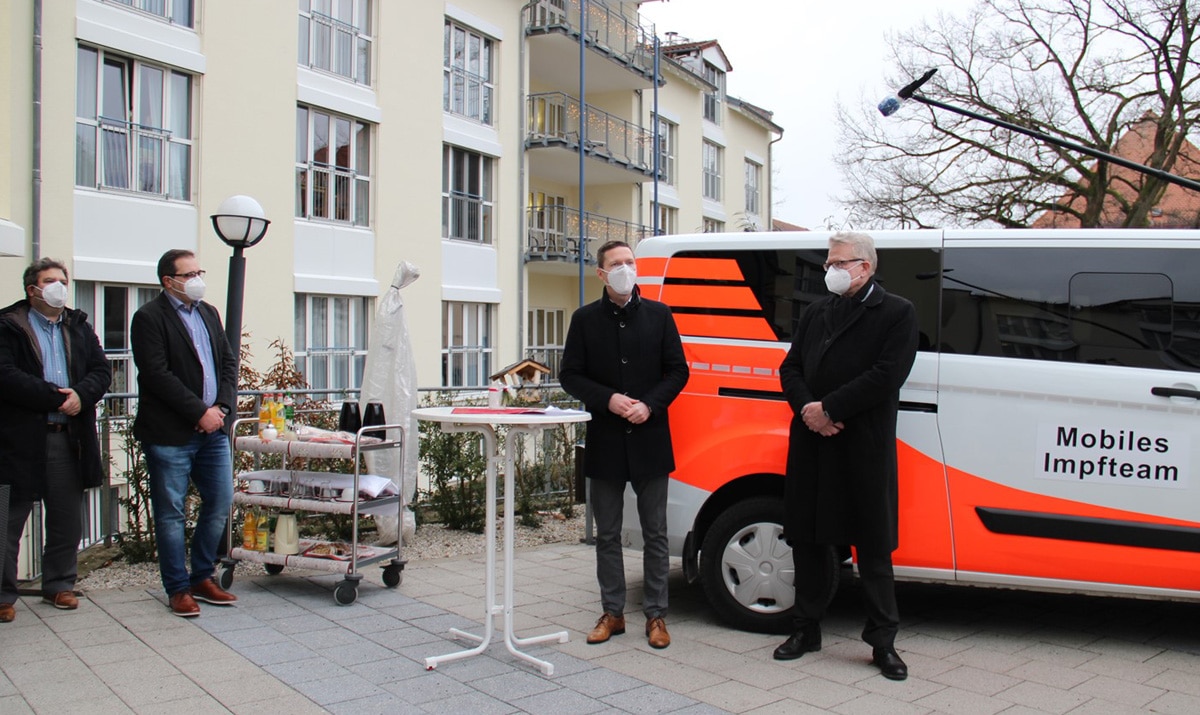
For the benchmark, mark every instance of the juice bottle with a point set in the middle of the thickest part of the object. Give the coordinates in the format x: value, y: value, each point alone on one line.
x: 289, y: 413
x: 264, y: 413
x: 262, y: 540
x: 250, y: 530
x: 278, y: 419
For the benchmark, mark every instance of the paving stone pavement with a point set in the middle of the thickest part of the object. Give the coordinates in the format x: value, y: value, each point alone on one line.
x: 286, y: 647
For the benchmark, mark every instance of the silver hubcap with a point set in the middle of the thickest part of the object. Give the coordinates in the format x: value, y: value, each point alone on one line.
x: 757, y: 568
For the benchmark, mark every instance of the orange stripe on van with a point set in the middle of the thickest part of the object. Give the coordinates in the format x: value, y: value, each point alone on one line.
x: 724, y: 326
x: 738, y: 297
x: 715, y: 269
x: 981, y: 550
x: 652, y: 265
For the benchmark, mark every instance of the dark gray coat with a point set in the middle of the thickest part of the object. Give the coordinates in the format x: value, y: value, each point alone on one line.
x: 26, y: 399
x: 636, y: 351
x: 853, y: 358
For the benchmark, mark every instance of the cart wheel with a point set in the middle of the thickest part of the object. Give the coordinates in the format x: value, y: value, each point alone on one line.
x: 345, y: 593
x: 273, y: 569
x: 392, y: 576
x: 225, y: 580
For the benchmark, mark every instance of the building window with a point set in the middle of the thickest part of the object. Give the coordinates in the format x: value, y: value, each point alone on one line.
x: 753, y: 181
x: 711, y: 225
x: 333, y: 167
x: 133, y: 125
x: 176, y: 12
x: 466, y: 195
x: 711, y: 160
x: 331, y: 339
x: 712, y: 100
x: 667, y: 139
x: 546, y: 328
x: 335, y: 37
x: 110, y: 308
x: 467, y: 87
x: 668, y: 220
x: 466, y: 344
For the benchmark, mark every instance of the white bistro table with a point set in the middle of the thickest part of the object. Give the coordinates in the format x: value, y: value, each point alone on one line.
x: 485, y: 421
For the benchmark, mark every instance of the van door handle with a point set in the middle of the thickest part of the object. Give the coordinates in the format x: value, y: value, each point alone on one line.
x: 1175, y: 392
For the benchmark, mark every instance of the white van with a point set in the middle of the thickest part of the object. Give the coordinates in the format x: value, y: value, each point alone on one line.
x: 1049, y: 433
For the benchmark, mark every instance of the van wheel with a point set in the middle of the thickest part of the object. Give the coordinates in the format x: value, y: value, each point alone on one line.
x: 747, y: 569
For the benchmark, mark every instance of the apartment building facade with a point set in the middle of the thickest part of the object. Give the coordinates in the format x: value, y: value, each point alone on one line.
x: 492, y: 143
x: 478, y: 139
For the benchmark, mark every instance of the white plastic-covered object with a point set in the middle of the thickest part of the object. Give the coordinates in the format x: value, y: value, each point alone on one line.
x: 390, y: 377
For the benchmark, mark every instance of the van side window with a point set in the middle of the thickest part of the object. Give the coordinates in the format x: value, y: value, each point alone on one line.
x: 785, y: 282
x: 1097, y: 306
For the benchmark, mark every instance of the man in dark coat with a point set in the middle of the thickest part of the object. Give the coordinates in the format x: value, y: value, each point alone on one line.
x: 187, y: 386
x: 52, y: 374
x: 624, y: 360
x: 851, y: 353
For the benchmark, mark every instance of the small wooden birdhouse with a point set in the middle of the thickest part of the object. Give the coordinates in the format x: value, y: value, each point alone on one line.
x: 522, y: 380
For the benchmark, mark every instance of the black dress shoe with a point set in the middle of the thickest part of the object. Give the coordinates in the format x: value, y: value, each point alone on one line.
x: 889, y: 663
x: 799, y: 643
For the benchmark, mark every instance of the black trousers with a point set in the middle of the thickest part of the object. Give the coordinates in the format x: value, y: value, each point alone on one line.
x: 62, y: 507
x: 878, y: 585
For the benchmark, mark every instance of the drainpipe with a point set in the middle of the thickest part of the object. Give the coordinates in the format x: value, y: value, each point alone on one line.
x: 523, y: 214
x: 654, y: 145
x: 770, y: 181
x: 35, y: 220
x: 583, y: 10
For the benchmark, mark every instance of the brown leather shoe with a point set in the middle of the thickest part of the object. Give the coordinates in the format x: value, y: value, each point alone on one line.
x: 65, y: 600
x: 656, y: 633
x: 183, y: 605
x: 209, y: 592
x: 7, y: 613
x: 607, y: 627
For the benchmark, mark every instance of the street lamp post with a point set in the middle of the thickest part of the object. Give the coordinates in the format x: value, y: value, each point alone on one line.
x: 240, y: 223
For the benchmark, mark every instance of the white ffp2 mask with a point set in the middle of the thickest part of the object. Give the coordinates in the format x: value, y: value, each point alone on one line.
x: 622, y: 279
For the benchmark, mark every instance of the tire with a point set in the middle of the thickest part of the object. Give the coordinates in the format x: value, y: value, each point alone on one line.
x: 747, y: 570
x: 273, y: 569
x: 392, y: 576
x: 225, y: 577
x: 345, y: 593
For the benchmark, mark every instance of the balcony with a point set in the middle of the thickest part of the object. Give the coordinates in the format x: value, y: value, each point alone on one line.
x: 621, y: 52
x: 622, y: 150
x: 554, y: 233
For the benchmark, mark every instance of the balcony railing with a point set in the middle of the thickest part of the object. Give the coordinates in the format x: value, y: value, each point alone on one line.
x: 555, y: 231
x: 133, y: 157
x: 334, y: 46
x: 607, y: 29
x: 554, y: 118
x: 178, y: 12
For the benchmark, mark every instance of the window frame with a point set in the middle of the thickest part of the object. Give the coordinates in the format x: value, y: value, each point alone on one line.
x: 472, y: 321
x: 113, y: 320
x: 713, y: 99
x: 139, y: 151
x: 463, y: 88
x: 357, y: 30
x: 170, y: 11
x: 546, y: 336
x: 753, y: 175
x: 468, y: 214
x: 712, y: 157
x: 668, y: 138
x: 351, y: 205
x: 339, y: 362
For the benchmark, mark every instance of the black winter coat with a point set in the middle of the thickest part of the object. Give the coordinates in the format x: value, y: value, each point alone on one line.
x: 852, y: 357
x: 635, y: 351
x: 170, y: 376
x: 27, y: 399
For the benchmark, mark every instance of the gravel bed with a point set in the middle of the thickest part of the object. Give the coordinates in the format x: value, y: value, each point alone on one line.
x: 432, y: 541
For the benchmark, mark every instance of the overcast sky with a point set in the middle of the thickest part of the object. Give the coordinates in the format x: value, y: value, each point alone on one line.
x: 798, y: 58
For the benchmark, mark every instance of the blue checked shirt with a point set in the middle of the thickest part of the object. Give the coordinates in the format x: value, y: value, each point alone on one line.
x: 54, y: 354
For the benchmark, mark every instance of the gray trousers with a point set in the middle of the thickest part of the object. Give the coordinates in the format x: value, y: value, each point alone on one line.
x: 62, y: 501
x: 608, y: 502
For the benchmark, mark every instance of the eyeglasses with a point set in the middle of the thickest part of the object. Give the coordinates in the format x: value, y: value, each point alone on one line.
x: 843, y: 264
x: 189, y: 276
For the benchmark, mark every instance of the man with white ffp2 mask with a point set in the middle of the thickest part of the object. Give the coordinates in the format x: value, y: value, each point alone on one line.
x: 624, y: 360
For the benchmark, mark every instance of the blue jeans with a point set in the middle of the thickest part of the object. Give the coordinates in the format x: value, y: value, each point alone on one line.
x: 206, y: 461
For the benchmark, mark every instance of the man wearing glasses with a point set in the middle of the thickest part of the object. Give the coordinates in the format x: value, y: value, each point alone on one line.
x: 851, y: 353
x: 187, y: 385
